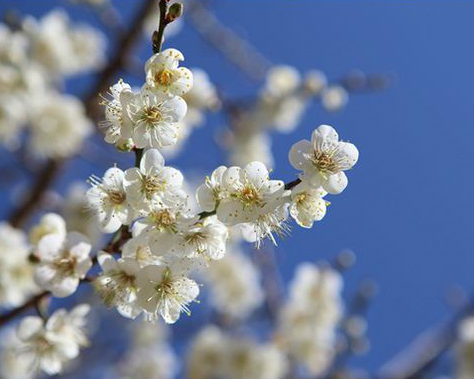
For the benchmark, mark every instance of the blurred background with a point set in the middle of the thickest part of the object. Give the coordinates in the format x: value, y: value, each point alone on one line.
x: 407, y: 212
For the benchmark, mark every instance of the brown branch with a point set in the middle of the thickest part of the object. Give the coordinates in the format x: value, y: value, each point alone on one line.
x: 44, y: 179
x: 292, y: 184
x: 51, y: 169
x: 6, y: 317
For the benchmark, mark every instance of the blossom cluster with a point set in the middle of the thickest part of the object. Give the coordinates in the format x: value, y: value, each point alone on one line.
x: 164, y: 110
x: 36, y: 56
x: 161, y: 243
x: 46, y: 345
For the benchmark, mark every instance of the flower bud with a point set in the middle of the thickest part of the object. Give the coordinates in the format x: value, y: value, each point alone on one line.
x: 175, y: 11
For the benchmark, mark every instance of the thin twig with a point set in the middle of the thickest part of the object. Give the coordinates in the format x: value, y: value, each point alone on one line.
x: 425, y: 350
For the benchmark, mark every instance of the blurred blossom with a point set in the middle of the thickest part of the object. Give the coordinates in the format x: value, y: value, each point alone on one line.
x: 59, y: 125
x: 465, y: 349
x: 309, y: 319
x: 16, y: 271
x: 334, y: 98
x: 150, y: 356
x: 235, y: 287
x: 64, y: 48
x: 52, y: 344
x: 214, y: 354
x: 74, y: 210
x: 12, y: 364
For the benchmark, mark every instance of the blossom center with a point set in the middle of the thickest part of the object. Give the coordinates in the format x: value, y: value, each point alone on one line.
x: 66, y: 265
x: 249, y: 195
x: 150, y: 185
x: 164, y: 220
x: 116, y: 197
x: 164, y: 77
x: 324, y: 162
x: 152, y: 114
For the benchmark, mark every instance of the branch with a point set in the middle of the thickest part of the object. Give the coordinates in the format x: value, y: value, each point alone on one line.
x: 425, y: 350
x: 51, y: 169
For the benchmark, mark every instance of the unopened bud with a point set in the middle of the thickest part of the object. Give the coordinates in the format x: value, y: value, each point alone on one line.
x: 175, y: 11
x: 124, y: 145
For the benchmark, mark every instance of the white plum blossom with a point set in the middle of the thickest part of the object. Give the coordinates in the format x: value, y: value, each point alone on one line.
x: 215, y: 354
x: 282, y: 80
x: 163, y: 219
x: 307, y: 204
x: 250, y: 193
x: 251, y: 198
x: 12, y: 364
x: 116, y: 284
x: 151, y: 180
x: 165, y: 291
x: 206, y: 354
x: 324, y: 159
x: 211, y: 192
x: 308, y: 321
x: 150, y: 356
x: 164, y: 75
x: 64, y: 48
x: 71, y: 325
x: 202, y: 96
x: 63, y: 262
x: 234, y: 282
x: 202, y: 239
x: 117, y: 121
x: 151, y: 362
x: 107, y: 199
x: 271, y: 221
x: 137, y: 249
x: 249, y: 147
x: 334, y: 97
x: 315, y: 81
x: 51, y: 344
x: 75, y: 208
x: 50, y: 223
x: 16, y: 272
x: 155, y: 117
x: 58, y: 124
x: 12, y: 120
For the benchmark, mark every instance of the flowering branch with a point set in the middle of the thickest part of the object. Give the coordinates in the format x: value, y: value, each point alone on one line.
x: 51, y: 169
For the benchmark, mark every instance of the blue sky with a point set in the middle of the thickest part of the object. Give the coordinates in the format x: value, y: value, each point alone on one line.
x: 407, y: 212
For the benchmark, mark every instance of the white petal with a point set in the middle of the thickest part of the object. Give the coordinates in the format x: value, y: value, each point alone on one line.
x: 177, y: 107
x: 350, y: 151
x: 324, y: 133
x: 151, y: 158
x: 205, y: 198
x: 29, y: 326
x: 67, y: 286
x: 297, y: 153
x: 257, y: 173
x: 231, y: 178
x: 336, y: 183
